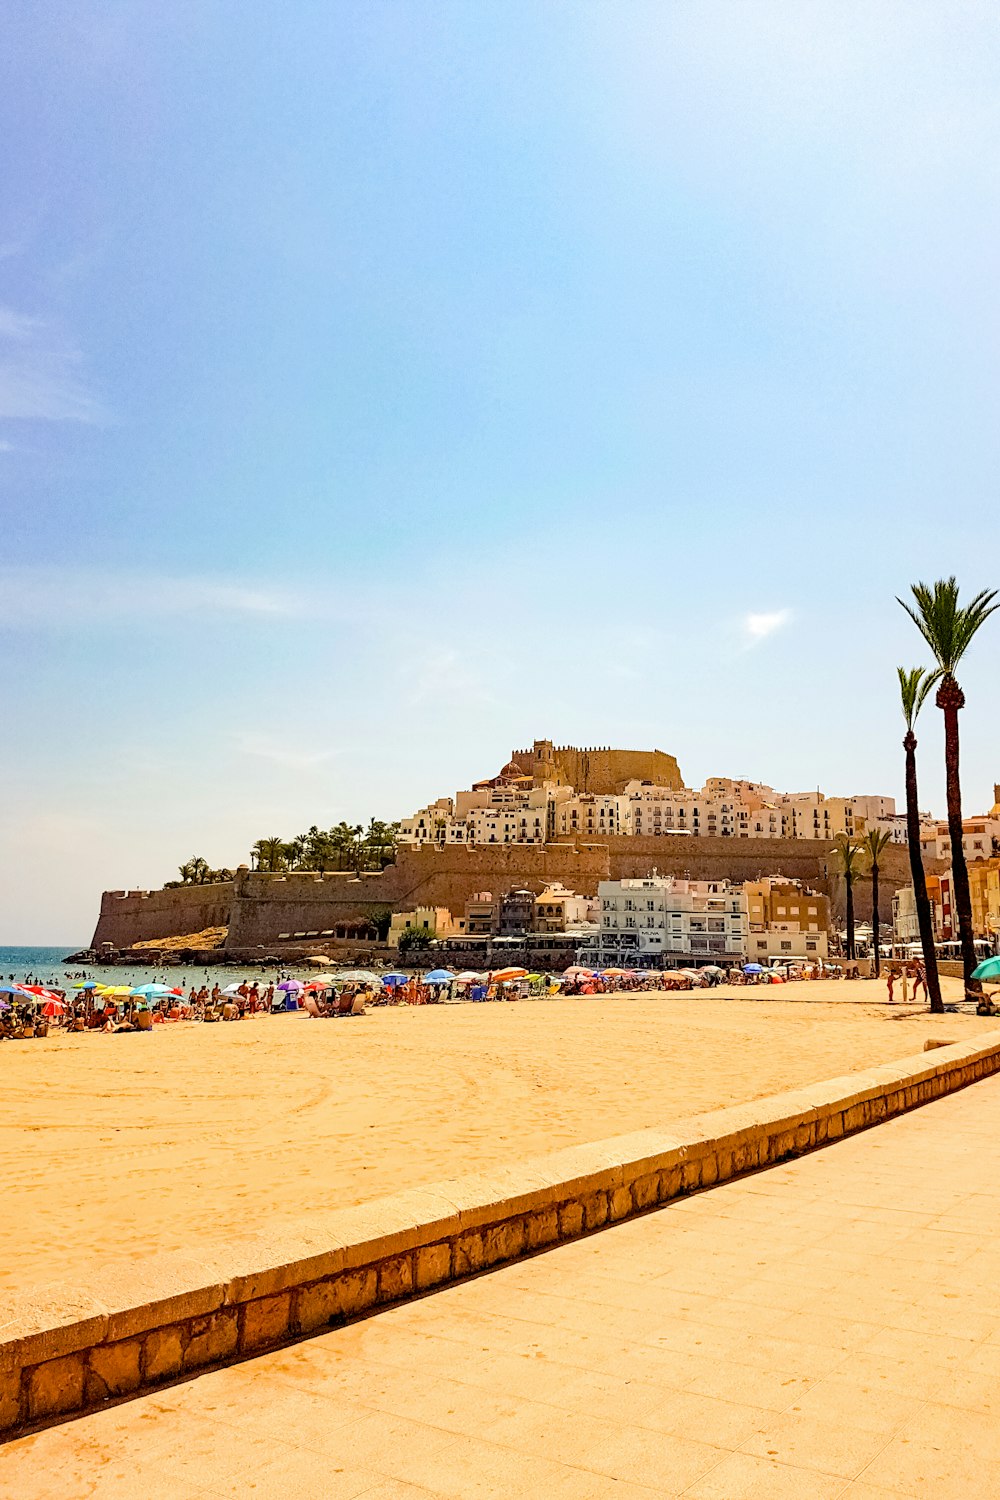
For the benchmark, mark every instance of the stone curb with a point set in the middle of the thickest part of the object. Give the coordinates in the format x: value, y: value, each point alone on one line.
x: 65, y: 1349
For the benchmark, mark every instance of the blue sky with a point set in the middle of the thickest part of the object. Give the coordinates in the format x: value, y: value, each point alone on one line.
x: 384, y: 386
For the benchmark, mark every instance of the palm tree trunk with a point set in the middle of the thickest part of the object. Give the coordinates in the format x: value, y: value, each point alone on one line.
x: 850, y: 915
x: 950, y: 699
x: 925, y: 921
x: 878, y: 968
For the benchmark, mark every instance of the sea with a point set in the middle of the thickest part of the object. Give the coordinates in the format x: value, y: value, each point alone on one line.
x: 48, y: 966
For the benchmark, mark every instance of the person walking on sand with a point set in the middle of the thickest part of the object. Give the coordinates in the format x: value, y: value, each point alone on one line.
x: 890, y: 980
x: 918, y: 979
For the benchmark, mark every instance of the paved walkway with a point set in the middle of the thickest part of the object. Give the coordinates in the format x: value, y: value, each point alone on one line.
x: 825, y: 1329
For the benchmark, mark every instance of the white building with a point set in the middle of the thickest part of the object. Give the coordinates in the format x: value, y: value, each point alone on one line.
x: 980, y: 837
x: 592, y: 815
x: 513, y: 811
x: 663, y: 918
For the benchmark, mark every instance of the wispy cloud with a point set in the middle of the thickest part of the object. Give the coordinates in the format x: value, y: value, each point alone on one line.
x: 93, y: 598
x: 758, y: 626
x: 41, y: 374
x: 291, y: 757
x: 445, y: 674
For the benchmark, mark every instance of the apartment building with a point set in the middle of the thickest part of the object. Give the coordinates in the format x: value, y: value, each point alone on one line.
x: 667, y: 920
x: 786, y: 920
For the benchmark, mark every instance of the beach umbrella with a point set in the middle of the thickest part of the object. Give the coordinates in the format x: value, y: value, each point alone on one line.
x: 752, y: 969
x: 317, y: 959
x: 439, y: 976
x: 53, y: 1007
x: 393, y: 979
x: 712, y: 969
x: 988, y: 969
x: 12, y: 989
x: 117, y: 991
x: 614, y: 973
x: 576, y: 971
x: 234, y: 989
x: 292, y: 986
x: 39, y: 992
x: 358, y: 976
x: 86, y: 984
x: 468, y: 976
x: 153, y: 991
x: 501, y: 976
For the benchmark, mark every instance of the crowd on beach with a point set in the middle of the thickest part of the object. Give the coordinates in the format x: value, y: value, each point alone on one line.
x: 30, y: 1008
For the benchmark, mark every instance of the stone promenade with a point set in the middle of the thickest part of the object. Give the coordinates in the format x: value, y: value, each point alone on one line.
x: 827, y: 1328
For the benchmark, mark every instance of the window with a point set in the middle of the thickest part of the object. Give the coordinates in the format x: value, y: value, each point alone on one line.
x: 786, y: 947
x: 810, y: 947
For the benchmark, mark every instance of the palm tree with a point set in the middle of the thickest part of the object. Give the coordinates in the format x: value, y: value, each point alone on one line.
x: 294, y: 851
x: 913, y: 688
x: 872, y: 844
x: 342, y: 839
x: 949, y: 629
x: 269, y: 853
x: 849, y: 853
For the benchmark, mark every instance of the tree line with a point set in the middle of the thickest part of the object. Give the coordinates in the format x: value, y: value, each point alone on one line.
x: 347, y: 846
x: 948, y: 629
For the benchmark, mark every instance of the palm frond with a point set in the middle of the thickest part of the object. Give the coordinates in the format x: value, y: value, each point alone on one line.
x: 874, y: 841
x: 946, y: 626
x: 914, y: 685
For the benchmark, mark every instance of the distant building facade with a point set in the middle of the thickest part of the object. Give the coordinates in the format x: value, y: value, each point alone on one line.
x: 786, y: 921
x: 562, y: 792
x: 662, y: 919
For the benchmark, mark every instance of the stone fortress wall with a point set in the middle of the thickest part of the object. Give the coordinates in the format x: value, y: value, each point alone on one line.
x: 129, y: 917
x: 259, y: 909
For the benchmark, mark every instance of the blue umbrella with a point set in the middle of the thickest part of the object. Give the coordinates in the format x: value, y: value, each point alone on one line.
x: 988, y: 969
x: 393, y: 979
x: 752, y: 969
x: 439, y: 976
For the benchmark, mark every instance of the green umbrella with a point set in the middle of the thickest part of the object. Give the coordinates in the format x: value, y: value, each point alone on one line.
x: 988, y: 969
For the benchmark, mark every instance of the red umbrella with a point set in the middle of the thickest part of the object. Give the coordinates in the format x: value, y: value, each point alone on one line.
x: 53, y: 1007
x: 39, y: 992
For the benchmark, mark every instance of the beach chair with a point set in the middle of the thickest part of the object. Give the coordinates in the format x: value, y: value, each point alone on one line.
x: 345, y: 1003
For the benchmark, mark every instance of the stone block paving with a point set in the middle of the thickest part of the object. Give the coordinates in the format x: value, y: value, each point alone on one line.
x: 828, y: 1329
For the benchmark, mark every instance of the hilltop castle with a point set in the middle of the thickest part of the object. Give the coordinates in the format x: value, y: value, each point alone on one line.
x: 596, y: 769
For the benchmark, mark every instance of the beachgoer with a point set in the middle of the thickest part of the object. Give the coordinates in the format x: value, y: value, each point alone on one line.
x: 919, y: 979
x: 890, y: 980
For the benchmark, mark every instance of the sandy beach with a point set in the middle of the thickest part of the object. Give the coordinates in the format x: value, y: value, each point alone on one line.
x: 124, y: 1146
